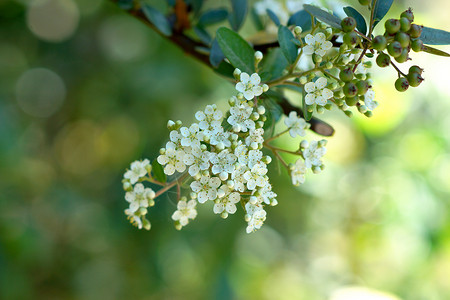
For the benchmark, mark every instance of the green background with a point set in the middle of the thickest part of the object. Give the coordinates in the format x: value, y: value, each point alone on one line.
x: 79, y: 101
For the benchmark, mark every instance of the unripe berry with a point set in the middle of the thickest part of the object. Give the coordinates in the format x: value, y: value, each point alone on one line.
x: 351, y: 38
x: 417, y: 45
x: 364, y: 2
x: 403, y: 39
x: 346, y: 75
x: 402, y: 57
x: 351, y: 101
x: 392, y: 26
x: 368, y: 114
x: 379, y: 43
x: 348, y: 24
x: 362, y: 86
x: 383, y: 60
x: 405, y: 24
x: 394, y: 49
x: 415, y: 31
x: 415, y: 69
x: 401, y: 84
x: 414, y: 79
x: 348, y: 113
x: 408, y: 14
x: 350, y: 89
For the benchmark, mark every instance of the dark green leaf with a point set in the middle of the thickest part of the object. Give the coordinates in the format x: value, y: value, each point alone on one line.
x: 360, y: 21
x: 212, y: 17
x: 273, y: 110
x: 158, y: 172
x: 433, y: 36
x: 288, y: 47
x: 273, y: 17
x: 257, y: 20
x: 125, y: 4
x: 225, y: 69
x: 273, y: 65
x: 239, y: 11
x: 435, y: 51
x: 196, y: 6
x: 323, y: 16
x: 216, y: 55
x: 236, y: 49
x: 203, y: 35
x: 158, y: 19
x: 301, y: 18
x: 381, y: 8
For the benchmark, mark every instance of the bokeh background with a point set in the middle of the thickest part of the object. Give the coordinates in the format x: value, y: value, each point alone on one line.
x: 85, y: 89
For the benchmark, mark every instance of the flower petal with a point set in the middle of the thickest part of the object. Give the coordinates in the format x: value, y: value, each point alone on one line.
x: 320, y: 37
x: 244, y: 78
x: 310, y: 87
x: 240, y: 87
x: 326, y: 93
x: 308, y: 49
x: 255, y: 79
x: 310, y: 99
x: 321, y: 83
x: 309, y: 39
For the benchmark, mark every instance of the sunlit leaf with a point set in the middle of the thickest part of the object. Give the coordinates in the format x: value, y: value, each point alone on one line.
x: 323, y: 16
x: 433, y: 36
x: 381, y: 8
x: 435, y: 51
x: 158, y: 172
x: 236, y: 49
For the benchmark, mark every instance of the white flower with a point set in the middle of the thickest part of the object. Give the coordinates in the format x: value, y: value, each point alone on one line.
x: 185, y: 211
x: 249, y: 85
x: 240, y: 117
x: 198, y: 160
x: 255, y: 177
x: 254, y: 157
x: 241, y: 153
x: 257, y: 216
x: 296, y: 125
x: 369, y: 100
x: 298, y: 171
x: 138, y: 169
x: 206, y: 188
x: 317, y: 44
x: 267, y: 195
x: 191, y: 136
x: 317, y: 92
x: 255, y: 136
x: 210, y: 118
x: 172, y: 160
x: 238, y: 179
x: 313, y: 154
x: 139, y: 197
x: 228, y: 202
x: 218, y: 135
x: 223, y: 162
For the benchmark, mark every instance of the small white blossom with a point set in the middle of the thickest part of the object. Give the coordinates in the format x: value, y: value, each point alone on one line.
x: 249, y: 85
x: 254, y: 157
x: 241, y: 152
x: 198, y: 160
x: 317, y: 92
x: 206, y: 188
x: 138, y: 169
x: 218, y: 135
x: 296, y: 125
x: 228, y: 202
x: 139, y: 197
x: 298, y: 171
x: 313, y: 154
x: 257, y: 216
x: 255, y: 177
x: 369, y: 100
x: 185, y: 211
x: 255, y: 136
x: 223, y: 162
x: 240, y: 117
x: 209, y: 119
x: 191, y: 136
x: 239, y: 179
x: 317, y: 44
x: 267, y: 195
x: 172, y: 160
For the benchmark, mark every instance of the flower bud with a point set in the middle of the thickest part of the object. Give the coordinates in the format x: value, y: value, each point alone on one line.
x: 265, y: 87
x: 178, y: 226
x: 348, y: 113
x: 258, y: 56
x: 304, y: 144
x: 253, y: 200
x: 162, y: 151
x: 368, y: 114
x: 223, y: 176
x: 247, y: 217
x: 170, y: 125
x: 230, y: 184
x: 146, y: 224
x: 261, y: 110
x: 254, y: 116
x: 274, y: 202
x: 320, y: 109
x: 232, y: 101
x: 240, y: 96
x: 298, y: 30
x: 220, y: 146
x: 127, y: 186
x: 323, y: 143
x: 224, y: 215
x: 237, y: 74
x: 362, y: 109
x: 303, y: 80
x: 220, y: 193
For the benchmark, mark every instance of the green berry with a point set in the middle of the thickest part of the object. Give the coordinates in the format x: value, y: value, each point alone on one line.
x: 346, y: 75
x: 362, y: 86
x: 415, y: 31
x: 348, y: 113
x: 417, y: 45
x: 364, y: 2
x: 383, y: 60
x: 348, y: 24
x: 392, y: 26
x: 403, y: 39
x: 414, y: 79
x: 408, y: 14
x: 368, y: 113
x: 415, y: 69
x: 403, y: 57
x: 395, y: 49
x: 350, y: 89
x: 379, y: 43
x: 405, y: 24
x: 351, y: 101
x: 401, y: 84
x: 351, y: 38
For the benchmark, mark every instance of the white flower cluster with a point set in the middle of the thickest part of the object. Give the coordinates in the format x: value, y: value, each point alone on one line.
x: 138, y: 197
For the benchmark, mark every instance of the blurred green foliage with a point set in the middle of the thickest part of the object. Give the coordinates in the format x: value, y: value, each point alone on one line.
x: 83, y: 95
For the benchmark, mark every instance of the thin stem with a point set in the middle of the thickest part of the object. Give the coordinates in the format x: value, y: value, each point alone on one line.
x: 281, y: 159
x: 170, y: 185
x: 332, y: 76
x: 152, y: 181
x: 290, y: 75
x: 276, y: 136
x: 398, y: 70
x: 359, y: 59
x: 363, y: 35
x: 372, y: 11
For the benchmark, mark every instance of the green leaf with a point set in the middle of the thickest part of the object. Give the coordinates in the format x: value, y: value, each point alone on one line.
x: 273, y: 110
x: 301, y: 18
x: 158, y: 172
x: 216, y: 55
x: 212, y: 17
x: 158, y: 19
x: 323, y: 16
x: 360, y: 21
x: 288, y: 47
x: 435, y: 51
x: 381, y: 8
x: 433, y: 36
x: 239, y: 12
x: 125, y: 4
x: 273, y: 64
x: 256, y: 20
x: 196, y: 6
x: 273, y: 17
x: 225, y: 69
x: 236, y: 49
x: 203, y: 35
